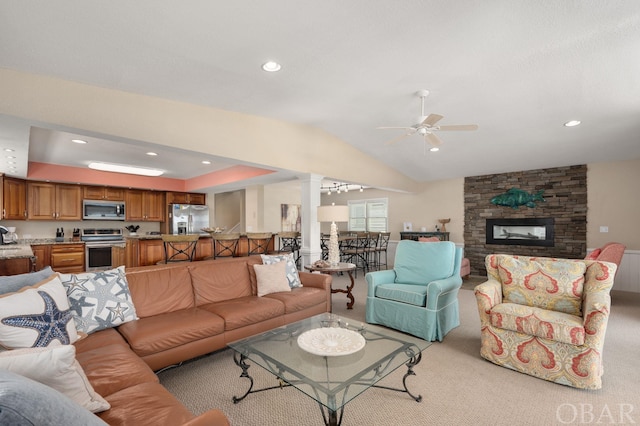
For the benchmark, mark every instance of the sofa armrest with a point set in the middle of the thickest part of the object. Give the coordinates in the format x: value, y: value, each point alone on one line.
x: 209, y: 418
x: 438, y: 288
x: 322, y: 281
x: 377, y: 278
x: 488, y: 294
x: 595, y: 312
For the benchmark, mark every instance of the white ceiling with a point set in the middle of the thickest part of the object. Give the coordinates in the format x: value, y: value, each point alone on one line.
x: 518, y: 69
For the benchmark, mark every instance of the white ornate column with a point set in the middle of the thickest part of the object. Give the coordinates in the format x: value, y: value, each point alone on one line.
x: 310, y: 234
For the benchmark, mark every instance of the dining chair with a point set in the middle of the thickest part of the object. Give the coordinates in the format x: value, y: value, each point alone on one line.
x: 289, y: 242
x: 383, y: 244
x: 356, y: 252
x: 324, y: 246
x: 225, y: 245
x: 179, y: 248
x: 372, y: 250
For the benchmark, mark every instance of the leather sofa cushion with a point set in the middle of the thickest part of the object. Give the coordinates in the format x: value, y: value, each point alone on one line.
x: 216, y: 281
x: 300, y: 298
x: 158, y: 333
x: 145, y: 404
x: 160, y: 289
x: 114, y: 367
x: 246, y: 311
x: 99, y: 339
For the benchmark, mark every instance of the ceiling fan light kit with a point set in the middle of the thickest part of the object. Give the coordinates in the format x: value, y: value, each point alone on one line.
x: 427, y: 126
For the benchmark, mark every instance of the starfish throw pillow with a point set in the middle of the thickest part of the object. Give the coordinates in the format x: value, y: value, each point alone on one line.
x: 99, y: 300
x: 37, y: 316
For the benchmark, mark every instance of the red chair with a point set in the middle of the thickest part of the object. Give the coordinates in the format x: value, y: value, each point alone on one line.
x: 610, y: 252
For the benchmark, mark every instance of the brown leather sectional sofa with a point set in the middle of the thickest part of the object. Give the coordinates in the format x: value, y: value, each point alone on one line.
x: 185, y: 310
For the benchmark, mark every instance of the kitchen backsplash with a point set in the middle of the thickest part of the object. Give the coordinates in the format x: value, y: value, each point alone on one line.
x: 41, y: 229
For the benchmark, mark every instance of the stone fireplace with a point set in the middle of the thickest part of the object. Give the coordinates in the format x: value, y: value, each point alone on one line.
x: 565, y: 206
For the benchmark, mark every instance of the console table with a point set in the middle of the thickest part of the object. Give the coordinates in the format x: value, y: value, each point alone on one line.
x: 444, y: 236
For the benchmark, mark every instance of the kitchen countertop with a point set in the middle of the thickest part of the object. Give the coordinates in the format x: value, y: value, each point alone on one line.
x: 15, y: 251
x: 154, y: 236
x: 49, y: 241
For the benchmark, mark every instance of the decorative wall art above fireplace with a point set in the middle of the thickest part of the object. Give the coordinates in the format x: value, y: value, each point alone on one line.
x: 523, y: 232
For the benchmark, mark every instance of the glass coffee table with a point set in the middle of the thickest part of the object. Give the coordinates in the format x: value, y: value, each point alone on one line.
x: 342, y: 358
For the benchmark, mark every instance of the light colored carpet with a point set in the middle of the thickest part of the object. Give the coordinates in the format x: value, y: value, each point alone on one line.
x: 458, y: 386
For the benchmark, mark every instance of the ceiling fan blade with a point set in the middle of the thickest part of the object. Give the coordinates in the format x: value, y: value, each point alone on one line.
x: 431, y: 120
x: 459, y: 127
x: 399, y: 138
x: 433, y: 139
x: 405, y: 128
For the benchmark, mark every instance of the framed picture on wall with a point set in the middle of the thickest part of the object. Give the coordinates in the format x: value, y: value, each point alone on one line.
x: 407, y: 227
x: 290, y: 219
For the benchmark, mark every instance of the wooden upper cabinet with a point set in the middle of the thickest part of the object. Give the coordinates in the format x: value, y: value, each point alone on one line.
x: 102, y: 193
x: 186, y: 198
x: 145, y: 205
x: 53, y: 201
x: 14, y: 199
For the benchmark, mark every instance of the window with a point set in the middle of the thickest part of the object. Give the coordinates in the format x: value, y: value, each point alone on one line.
x: 368, y: 215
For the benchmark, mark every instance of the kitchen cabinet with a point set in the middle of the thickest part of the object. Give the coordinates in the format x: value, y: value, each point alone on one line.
x: 186, y: 198
x: 132, y: 257
x: 151, y: 252
x: 14, y: 198
x: 118, y: 256
x: 204, y: 249
x: 42, y: 253
x: 54, y: 201
x: 102, y: 193
x: 146, y: 206
x: 17, y: 266
x: 67, y: 258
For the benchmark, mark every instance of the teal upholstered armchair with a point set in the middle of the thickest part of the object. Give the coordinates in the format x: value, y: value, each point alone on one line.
x: 420, y: 295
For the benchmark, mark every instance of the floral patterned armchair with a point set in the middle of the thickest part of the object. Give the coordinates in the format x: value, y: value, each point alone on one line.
x: 546, y: 317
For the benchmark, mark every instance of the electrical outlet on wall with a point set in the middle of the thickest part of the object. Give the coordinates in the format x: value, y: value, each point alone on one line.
x: 604, y: 229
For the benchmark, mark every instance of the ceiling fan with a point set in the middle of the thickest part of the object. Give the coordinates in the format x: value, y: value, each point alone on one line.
x: 427, y: 126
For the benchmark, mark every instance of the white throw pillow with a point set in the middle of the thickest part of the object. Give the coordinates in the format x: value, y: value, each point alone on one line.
x: 99, y: 300
x: 292, y: 270
x: 56, y: 367
x: 37, y: 316
x: 271, y: 278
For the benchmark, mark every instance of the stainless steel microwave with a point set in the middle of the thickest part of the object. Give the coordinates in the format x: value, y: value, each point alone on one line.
x: 102, y: 210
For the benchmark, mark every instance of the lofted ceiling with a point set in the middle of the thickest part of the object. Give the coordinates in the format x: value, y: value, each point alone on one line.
x: 518, y: 69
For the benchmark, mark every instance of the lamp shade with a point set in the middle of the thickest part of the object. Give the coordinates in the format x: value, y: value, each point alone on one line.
x: 333, y: 213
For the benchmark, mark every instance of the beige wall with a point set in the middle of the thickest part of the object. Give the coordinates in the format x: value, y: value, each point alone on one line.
x: 614, y: 201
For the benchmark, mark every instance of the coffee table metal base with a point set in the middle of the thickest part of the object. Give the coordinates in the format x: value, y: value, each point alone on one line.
x: 331, y: 417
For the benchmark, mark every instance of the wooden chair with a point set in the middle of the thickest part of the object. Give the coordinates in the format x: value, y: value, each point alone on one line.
x: 179, y: 248
x: 225, y: 245
x: 258, y: 242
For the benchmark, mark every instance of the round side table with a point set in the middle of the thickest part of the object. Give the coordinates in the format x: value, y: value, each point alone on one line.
x: 340, y: 267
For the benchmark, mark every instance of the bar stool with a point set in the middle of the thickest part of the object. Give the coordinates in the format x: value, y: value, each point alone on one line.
x: 258, y: 242
x: 175, y: 249
x: 225, y: 245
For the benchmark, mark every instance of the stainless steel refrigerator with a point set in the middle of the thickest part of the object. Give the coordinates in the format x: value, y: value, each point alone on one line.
x: 188, y: 218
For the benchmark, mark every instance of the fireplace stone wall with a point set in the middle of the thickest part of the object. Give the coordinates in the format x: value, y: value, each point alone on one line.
x: 565, y: 192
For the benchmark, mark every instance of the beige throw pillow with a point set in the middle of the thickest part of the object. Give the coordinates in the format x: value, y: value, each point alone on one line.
x: 272, y: 278
x: 56, y: 367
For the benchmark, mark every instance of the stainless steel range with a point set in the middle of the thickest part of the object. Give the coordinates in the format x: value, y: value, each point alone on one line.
x: 99, y: 246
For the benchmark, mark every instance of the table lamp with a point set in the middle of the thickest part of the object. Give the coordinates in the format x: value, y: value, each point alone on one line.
x: 333, y: 214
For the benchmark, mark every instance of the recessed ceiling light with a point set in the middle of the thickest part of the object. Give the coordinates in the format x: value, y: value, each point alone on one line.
x: 271, y: 66
x: 78, y: 141
x: 11, y: 157
x: 153, y: 154
x: 117, y: 168
x: 8, y: 150
x: 434, y: 149
x: 572, y: 123
x: 206, y: 162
